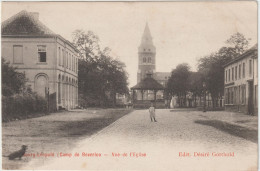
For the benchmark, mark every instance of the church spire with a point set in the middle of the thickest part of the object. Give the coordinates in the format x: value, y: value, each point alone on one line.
x: 147, y: 38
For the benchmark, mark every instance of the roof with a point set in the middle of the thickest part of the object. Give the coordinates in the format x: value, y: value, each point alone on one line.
x: 147, y: 37
x: 27, y: 24
x: 162, y: 75
x: 148, y: 84
x: 24, y: 23
x: 250, y: 52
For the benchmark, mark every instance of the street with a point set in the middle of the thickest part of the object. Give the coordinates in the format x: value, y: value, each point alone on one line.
x: 180, y: 140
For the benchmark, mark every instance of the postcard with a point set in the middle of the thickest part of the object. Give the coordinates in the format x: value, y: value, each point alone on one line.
x: 129, y: 85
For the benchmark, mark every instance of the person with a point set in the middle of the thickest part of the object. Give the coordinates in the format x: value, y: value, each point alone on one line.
x: 152, y: 113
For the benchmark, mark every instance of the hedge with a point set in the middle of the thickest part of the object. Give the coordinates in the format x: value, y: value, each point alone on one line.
x: 20, y: 106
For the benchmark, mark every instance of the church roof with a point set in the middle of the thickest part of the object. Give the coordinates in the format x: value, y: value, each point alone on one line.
x: 147, y: 37
x: 147, y: 32
x: 162, y: 75
x: 148, y: 84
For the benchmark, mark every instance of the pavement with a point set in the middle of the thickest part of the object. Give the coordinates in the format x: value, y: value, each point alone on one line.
x: 180, y: 140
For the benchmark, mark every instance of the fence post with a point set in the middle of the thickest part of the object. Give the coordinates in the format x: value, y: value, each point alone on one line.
x: 47, y: 97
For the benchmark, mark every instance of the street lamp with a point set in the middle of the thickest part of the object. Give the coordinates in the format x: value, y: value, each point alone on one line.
x: 204, y: 94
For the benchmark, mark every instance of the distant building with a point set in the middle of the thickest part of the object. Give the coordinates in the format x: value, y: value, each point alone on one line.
x: 241, y: 82
x: 49, y: 61
x: 147, y: 65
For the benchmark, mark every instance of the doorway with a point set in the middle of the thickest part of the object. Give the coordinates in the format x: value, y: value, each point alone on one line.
x: 250, y: 98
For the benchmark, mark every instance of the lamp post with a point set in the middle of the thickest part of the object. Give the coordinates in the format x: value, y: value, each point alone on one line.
x: 204, y: 94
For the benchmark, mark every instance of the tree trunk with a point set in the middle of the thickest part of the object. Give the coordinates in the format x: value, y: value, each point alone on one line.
x: 195, y: 101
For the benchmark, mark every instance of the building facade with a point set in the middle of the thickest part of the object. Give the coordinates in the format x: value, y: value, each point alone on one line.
x: 147, y: 65
x: 49, y: 61
x: 241, y: 83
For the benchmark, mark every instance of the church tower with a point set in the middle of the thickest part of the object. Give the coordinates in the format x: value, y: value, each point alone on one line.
x: 146, y: 55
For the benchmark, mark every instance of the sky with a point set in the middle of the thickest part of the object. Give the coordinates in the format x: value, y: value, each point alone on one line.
x: 182, y: 31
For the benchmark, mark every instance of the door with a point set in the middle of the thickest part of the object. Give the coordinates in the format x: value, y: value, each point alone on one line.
x: 250, y: 98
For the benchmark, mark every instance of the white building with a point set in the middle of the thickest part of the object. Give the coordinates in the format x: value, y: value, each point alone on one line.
x: 49, y: 61
x: 241, y: 82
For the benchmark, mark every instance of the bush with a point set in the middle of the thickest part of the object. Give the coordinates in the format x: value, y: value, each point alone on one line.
x: 20, y: 106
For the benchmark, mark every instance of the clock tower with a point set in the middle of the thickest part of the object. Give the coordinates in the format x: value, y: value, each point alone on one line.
x: 146, y: 56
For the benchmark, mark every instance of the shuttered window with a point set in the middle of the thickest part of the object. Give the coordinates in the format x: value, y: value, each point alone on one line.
x: 18, y: 54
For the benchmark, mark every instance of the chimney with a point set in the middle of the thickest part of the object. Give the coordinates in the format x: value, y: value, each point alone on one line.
x: 35, y: 15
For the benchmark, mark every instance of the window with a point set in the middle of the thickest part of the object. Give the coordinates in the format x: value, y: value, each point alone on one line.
x: 59, y: 56
x: 244, y: 70
x: 243, y: 94
x: 239, y: 71
x: 236, y: 73
x: 18, y: 54
x: 76, y: 65
x: 250, y: 67
x: 67, y: 61
x: 149, y: 60
x: 144, y: 60
x: 235, y: 96
x: 226, y: 95
x: 42, y: 53
x: 228, y: 74
x: 73, y: 62
x: 239, y: 94
x: 63, y: 57
x: 256, y: 63
x: 232, y: 74
x: 232, y: 95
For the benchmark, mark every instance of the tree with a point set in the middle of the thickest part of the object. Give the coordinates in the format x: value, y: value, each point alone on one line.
x: 178, y: 83
x: 196, y: 84
x: 13, y: 82
x: 239, y: 42
x: 87, y: 44
x: 100, y: 75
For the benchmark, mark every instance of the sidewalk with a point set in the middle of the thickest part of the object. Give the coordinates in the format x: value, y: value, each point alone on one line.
x: 239, y: 119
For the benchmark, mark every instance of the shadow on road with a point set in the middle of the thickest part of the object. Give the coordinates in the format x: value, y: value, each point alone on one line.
x: 183, y: 110
x: 251, y: 135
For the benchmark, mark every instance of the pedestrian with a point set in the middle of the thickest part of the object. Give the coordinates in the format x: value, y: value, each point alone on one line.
x: 152, y: 113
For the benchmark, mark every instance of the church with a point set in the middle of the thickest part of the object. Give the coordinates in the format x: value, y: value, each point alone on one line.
x: 150, y: 84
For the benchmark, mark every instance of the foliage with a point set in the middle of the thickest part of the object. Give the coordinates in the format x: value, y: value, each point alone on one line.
x: 239, y: 42
x: 100, y: 75
x: 19, y: 106
x: 12, y: 81
x: 87, y: 43
x: 179, y: 80
x: 18, y: 100
x: 196, y: 83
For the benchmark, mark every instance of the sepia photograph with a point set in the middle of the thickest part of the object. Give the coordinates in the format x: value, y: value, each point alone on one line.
x: 131, y: 85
